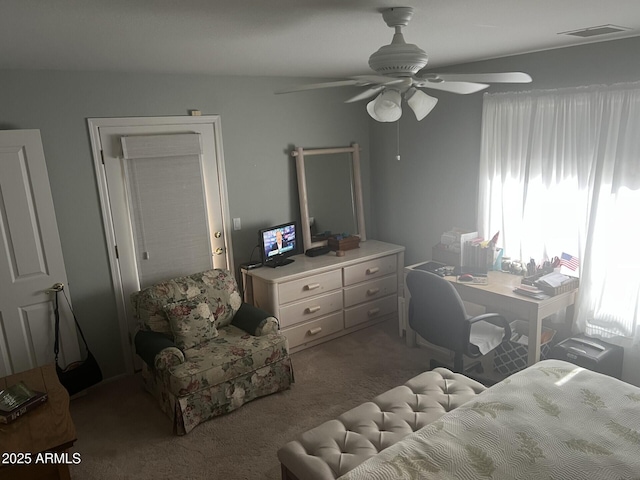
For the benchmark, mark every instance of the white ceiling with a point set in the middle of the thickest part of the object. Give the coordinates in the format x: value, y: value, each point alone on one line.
x: 315, y: 38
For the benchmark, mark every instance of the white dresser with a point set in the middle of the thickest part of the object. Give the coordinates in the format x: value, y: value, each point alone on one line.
x: 320, y: 298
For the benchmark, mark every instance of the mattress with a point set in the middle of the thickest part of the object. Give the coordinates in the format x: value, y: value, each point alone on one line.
x: 551, y: 420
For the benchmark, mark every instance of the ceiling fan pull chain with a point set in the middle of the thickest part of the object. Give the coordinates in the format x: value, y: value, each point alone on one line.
x: 398, y: 140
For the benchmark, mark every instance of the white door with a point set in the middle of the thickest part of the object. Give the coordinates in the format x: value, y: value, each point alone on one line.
x: 130, y: 148
x: 30, y: 260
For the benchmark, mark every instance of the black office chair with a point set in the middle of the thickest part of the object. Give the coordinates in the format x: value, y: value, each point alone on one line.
x: 437, y: 314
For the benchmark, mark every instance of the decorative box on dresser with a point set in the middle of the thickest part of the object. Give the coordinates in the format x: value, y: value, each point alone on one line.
x: 321, y: 298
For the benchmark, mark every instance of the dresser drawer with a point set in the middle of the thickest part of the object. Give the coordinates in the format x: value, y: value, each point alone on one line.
x: 308, y: 331
x: 364, y: 292
x: 370, y: 311
x: 309, y: 286
x: 369, y: 270
x: 310, y: 308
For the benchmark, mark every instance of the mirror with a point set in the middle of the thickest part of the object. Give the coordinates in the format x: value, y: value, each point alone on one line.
x: 330, y: 193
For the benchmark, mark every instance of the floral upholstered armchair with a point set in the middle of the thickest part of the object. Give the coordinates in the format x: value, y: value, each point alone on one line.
x: 206, y: 352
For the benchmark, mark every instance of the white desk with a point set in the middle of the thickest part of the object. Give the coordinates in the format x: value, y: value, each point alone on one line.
x: 498, y: 296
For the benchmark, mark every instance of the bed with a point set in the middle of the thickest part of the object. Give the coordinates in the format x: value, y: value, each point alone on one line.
x: 551, y: 420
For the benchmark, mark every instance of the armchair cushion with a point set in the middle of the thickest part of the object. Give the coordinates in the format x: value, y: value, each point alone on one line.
x: 218, y: 286
x: 255, y: 321
x: 191, y: 321
x: 232, y: 354
x: 151, y: 344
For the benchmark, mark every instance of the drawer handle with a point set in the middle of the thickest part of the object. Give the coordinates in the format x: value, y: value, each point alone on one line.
x: 372, y: 270
x: 313, y: 309
x: 373, y: 312
x: 315, y: 331
x: 312, y: 286
x: 373, y: 291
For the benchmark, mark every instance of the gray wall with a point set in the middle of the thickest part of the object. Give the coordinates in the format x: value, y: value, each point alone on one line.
x: 258, y: 130
x: 434, y: 186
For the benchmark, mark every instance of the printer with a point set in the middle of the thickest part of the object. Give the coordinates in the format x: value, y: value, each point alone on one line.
x: 590, y: 353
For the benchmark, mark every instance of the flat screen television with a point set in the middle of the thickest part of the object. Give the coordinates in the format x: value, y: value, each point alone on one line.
x: 278, y: 243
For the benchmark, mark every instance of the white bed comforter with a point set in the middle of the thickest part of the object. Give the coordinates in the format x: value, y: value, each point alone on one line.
x: 551, y: 421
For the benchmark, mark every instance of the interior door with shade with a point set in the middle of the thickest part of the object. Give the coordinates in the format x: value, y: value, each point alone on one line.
x: 30, y: 260
x: 163, y: 190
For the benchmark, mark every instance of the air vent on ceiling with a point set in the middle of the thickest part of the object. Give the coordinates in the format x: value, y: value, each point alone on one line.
x: 594, y: 31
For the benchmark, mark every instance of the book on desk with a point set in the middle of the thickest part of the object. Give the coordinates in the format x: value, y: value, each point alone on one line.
x: 17, y: 400
x: 531, y: 291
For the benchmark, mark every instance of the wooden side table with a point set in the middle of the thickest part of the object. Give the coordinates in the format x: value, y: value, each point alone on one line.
x: 47, y: 430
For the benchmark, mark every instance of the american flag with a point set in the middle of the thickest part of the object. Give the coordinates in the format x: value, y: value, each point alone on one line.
x: 569, y: 261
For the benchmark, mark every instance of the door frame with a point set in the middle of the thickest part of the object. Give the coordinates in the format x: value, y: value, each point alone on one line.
x: 96, y: 147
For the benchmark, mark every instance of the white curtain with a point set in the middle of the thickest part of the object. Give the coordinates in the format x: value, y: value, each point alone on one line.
x: 560, y: 172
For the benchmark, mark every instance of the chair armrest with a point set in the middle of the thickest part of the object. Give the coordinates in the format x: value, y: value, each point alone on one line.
x: 157, y: 350
x: 255, y: 321
x: 168, y: 357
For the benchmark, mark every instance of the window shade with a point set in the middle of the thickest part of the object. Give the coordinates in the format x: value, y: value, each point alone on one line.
x: 167, y: 206
x: 159, y: 146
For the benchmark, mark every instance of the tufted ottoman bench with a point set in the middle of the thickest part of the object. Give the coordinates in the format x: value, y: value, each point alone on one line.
x: 330, y: 450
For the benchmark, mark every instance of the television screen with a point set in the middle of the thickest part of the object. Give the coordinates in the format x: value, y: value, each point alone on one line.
x: 278, y: 243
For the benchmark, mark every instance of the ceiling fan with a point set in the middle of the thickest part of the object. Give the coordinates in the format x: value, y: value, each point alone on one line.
x: 400, y: 73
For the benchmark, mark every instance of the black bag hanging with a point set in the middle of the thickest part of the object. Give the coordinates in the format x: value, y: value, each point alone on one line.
x: 80, y: 375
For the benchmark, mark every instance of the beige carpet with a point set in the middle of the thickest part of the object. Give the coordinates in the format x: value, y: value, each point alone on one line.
x: 122, y: 434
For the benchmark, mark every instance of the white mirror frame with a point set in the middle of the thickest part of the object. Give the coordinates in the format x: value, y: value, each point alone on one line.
x: 299, y: 153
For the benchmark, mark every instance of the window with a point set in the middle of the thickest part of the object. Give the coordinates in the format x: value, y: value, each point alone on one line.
x: 560, y: 172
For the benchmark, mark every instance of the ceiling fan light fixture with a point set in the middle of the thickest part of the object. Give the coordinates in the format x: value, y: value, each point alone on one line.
x: 400, y: 68
x: 386, y: 107
x: 420, y: 102
x: 398, y: 58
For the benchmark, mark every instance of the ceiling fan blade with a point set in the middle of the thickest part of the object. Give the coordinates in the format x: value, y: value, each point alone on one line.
x: 356, y: 81
x: 370, y: 92
x: 453, y: 87
x: 314, y: 86
x: 501, y: 77
x: 378, y: 80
